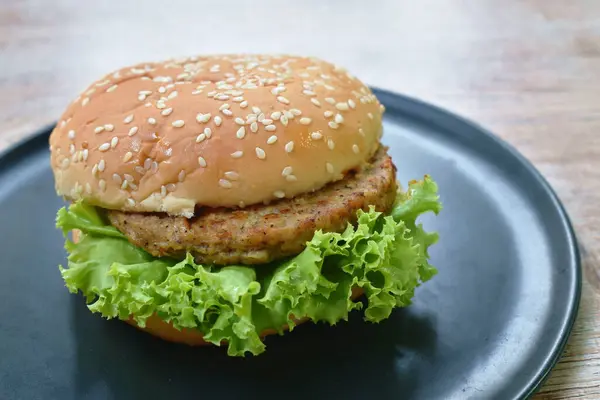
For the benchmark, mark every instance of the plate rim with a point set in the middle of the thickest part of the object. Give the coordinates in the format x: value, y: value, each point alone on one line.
x: 416, y: 108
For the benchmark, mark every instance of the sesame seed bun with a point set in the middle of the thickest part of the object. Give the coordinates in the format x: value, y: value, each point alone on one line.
x: 216, y: 131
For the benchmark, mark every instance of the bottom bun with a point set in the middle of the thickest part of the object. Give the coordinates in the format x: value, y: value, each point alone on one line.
x: 192, y: 337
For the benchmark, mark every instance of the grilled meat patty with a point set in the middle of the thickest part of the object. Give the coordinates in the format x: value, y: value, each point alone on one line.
x: 262, y: 233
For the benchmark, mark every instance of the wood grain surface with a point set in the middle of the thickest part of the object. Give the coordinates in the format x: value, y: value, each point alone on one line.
x: 527, y: 70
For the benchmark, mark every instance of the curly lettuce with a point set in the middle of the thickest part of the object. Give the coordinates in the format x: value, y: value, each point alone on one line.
x: 385, y: 255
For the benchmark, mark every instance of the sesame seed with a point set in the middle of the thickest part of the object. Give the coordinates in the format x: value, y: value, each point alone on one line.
x: 71, y: 134
x: 104, y: 147
x: 147, y: 163
x: 166, y: 111
x: 305, y: 121
x: 95, y: 170
x: 117, y: 178
x: 127, y: 156
x: 85, y: 101
x: 351, y: 103
x: 261, y: 117
x: 195, y: 92
x: 101, y: 165
x: 277, y: 90
x: 130, y: 201
x: 202, y: 162
x: 291, y: 178
x: 145, y: 92
x: 272, y: 139
x: 279, y: 194
x: 329, y: 168
x: 113, y: 142
x: 254, y: 127
x: 270, y: 128
x: 283, y: 120
x: 225, y: 183
x: 238, y: 99
x: 237, y: 154
x: 241, y: 133
x: 309, y: 92
x: 330, y: 100
x: 200, y: 138
x: 239, y: 121
x: 289, y: 147
x: 342, y: 106
x: 256, y: 110
x: 181, y: 176
x: 211, y: 93
x: 178, y: 124
x: 65, y: 163
x: 222, y: 97
x: 141, y: 97
x: 151, y: 121
x: 232, y: 175
x: 163, y: 190
x: 315, y: 102
x: 99, y: 129
x: 316, y: 135
x: 333, y: 125
x: 203, y: 118
x: 132, y: 131
x: 355, y: 149
x: 275, y: 115
x: 283, y: 100
x: 128, y: 119
x: 172, y: 95
x: 102, y: 184
x: 139, y: 170
x: 218, y: 121
x: 361, y: 131
x: 370, y: 115
x: 148, y: 104
x: 288, y: 114
x: 208, y: 132
x: 84, y: 154
x: 330, y: 144
x: 244, y: 104
x: 154, y: 167
x: 328, y: 114
x: 338, y: 119
x: 162, y: 89
x: 227, y: 112
x: 287, y: 171
x: 295, y: 112
x: 72, y: 148
x: 260, y: 153
x: 109, y: 127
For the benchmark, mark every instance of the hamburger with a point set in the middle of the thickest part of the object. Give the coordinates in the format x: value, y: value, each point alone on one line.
x: 219, y: 199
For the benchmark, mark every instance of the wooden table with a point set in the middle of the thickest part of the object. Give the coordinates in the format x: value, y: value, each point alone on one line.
x: 527, y: 70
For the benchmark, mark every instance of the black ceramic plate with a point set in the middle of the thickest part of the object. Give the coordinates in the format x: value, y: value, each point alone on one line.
x: 490, y: 325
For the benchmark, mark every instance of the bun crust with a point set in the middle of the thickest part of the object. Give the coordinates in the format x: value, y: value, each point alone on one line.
x: 217, y: 131
x: 159, y: 328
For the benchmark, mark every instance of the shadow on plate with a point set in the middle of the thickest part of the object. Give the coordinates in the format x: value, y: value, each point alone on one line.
x: 115, y: 360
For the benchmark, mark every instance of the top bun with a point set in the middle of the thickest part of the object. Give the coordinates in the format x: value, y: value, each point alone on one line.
x: 217, y: 131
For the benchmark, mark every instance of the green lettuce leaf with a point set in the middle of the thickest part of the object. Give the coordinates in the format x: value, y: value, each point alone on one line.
x: 386, y: 256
